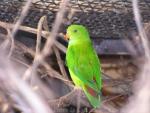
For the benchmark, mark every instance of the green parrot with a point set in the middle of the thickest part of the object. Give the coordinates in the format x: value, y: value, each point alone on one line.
x: 83, y: 63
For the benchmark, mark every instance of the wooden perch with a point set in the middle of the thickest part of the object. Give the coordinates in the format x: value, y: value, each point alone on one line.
x: 71, y: 100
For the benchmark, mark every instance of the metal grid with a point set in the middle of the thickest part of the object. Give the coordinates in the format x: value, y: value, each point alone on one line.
x: 104, y: 18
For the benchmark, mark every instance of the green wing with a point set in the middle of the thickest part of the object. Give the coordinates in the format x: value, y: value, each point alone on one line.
x: 83, y: 61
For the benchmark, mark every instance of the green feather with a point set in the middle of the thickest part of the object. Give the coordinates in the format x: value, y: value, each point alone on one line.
x: 83, y: 63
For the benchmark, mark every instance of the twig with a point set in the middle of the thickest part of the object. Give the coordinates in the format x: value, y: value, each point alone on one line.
x: 60, y: 63
x: 17, y: 24
x: 12, y: 43
x: 59, y: 18
x: 43, y: 22
x: 70, y: 99
x: 39, y: 32
x: 57, y: 75
x: 21, y: 18
x: 112, y: 98
x: 44, y: 34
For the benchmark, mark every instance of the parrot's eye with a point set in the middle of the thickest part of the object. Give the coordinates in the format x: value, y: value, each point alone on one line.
x: 75, y: 31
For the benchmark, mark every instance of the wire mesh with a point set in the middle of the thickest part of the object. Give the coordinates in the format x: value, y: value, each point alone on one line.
x: 103, y: 18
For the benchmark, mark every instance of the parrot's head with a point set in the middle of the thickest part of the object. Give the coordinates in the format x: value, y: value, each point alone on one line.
x: 77, y: 32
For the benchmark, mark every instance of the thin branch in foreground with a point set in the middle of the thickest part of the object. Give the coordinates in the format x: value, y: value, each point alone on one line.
x: 12, y: 43
x: 17, y: 24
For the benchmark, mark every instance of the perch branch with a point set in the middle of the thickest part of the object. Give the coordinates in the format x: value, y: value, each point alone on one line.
x: 71, y: 99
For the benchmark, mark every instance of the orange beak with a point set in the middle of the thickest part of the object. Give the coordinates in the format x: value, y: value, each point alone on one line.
x: 66, y: 37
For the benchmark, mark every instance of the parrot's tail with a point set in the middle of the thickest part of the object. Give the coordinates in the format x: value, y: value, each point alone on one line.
x: 92, y: 95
